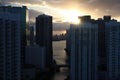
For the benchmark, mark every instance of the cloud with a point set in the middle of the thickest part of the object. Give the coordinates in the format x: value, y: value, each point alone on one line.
x: 33, y: 14
x: 96, y: 8
x: 110, y: 7
x: 60, y: 26
x: 22, y: 1
x: 57, y: 26
x: 103, y: 6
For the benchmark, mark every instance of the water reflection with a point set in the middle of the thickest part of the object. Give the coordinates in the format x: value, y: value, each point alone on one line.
x: 58, y: 51
x: 60, y: 56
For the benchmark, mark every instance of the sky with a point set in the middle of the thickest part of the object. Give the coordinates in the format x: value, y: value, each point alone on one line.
x: 65, y: 11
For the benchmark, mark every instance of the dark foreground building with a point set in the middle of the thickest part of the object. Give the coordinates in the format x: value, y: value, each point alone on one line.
x: 44, y: 36
x: 13, y: 23
x: 94, y: 47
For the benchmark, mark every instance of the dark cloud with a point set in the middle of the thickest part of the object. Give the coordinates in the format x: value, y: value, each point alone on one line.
x: 96, y: 8
x: 87, y: 6
x: 57, y: 26
x: 66, y: 4
x: 60, y: 26
x: 104, y: 7
x: 33, y: 14
x: 22, y: 1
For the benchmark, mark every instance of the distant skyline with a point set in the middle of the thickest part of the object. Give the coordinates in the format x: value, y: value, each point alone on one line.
x: 68, y: 10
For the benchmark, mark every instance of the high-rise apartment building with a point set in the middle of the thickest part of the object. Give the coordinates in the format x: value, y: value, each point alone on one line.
x: 112, y: 37
x: 102, y: 55
x: 23, y: 12
x: 32, y: 38
x: 10, y: 47
x: 94, y: 47
x: 13, y: 24
x: 108, y: 51
x: 35, y: 55
x: 44, y: 35
x: 84, y: 50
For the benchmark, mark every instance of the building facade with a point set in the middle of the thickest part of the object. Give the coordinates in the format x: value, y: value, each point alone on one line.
x: 23, y: 11
x: 44, y: 36
x: 10, y: 47
x: 94, y: 48
x: 112, y: 33
x: 35, y: 55
x: 32, y: 36
x: 14, y: 21
x: 84, y: 50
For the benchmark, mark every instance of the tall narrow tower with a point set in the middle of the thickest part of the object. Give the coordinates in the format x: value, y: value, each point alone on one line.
x: 10, y: 47
x: 44, y: 35
x: 13, y: 24
x: 23, y: 11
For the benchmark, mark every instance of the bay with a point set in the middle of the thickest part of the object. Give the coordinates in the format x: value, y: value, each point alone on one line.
x: 60, y: 56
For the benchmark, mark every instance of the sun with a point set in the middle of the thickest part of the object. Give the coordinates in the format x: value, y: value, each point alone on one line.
x: 71, y: 16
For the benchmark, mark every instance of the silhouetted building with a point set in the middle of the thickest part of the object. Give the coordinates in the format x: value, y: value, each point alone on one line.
x: 10, y: 46
x: 84, y: 51
x: 102, y: 55
x: 68, y: 40
x: 23, y: 11
x: 107, y: 18
x: 32, y: 38
x: 112, y: 37
x: 35, y: 55
x: 94, y: 47
x: 29, y: 72
x: 59, y: 37
x: 106, y: 58
x: 44, y: 36
x: 16, y: 17
x: 85, y: 18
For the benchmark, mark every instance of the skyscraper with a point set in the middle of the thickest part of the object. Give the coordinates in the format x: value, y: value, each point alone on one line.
x: 108, y: 52
x: 84, y: 50
x: 102, y: 55
x: 31, y: 35
x: 112, y: 37
x: 10, y: 47
x: 23, y: 11
x: 44, y: 35
x: 14, y: 21
x: 94, y: 49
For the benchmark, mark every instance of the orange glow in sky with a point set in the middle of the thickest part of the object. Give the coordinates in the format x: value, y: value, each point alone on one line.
x: 64, y: 15
x: 71, y: 16
x: 59, y: 32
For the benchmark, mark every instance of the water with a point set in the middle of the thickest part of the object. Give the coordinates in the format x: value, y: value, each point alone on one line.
x: 58, y: 51
x: 60, y: 56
